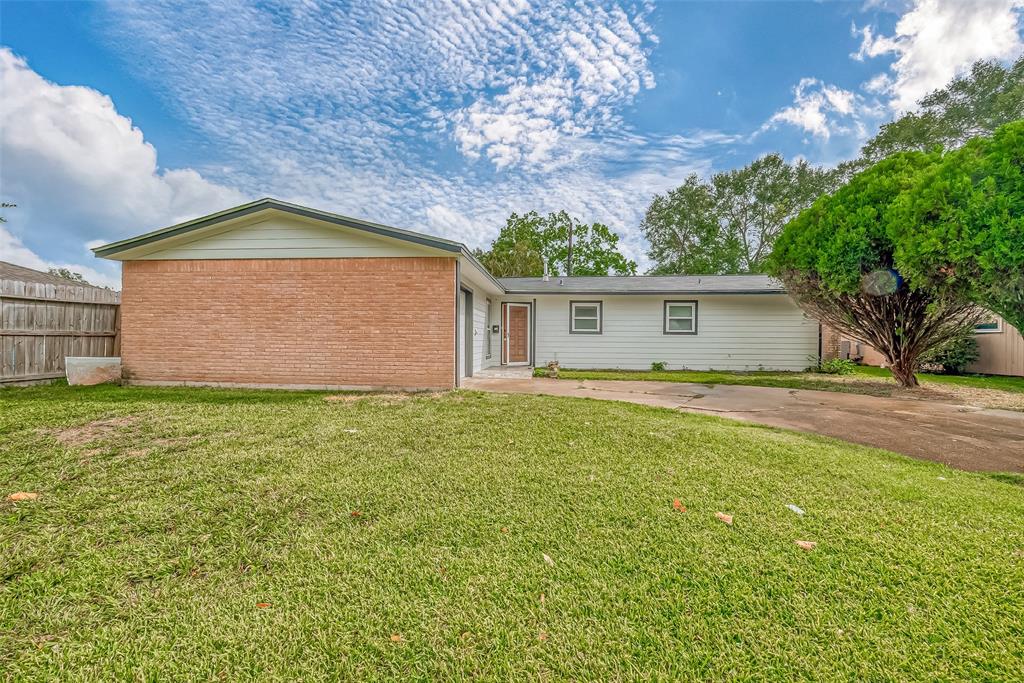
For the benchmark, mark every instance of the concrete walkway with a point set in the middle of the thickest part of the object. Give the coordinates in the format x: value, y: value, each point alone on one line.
x: 965, y: 437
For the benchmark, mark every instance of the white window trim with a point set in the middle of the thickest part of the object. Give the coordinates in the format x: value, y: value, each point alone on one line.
x: 572, y: 317
x: 692, y: 317
x: 997, y: 330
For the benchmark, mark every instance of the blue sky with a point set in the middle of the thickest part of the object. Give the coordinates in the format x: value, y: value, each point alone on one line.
x: 442, y: 116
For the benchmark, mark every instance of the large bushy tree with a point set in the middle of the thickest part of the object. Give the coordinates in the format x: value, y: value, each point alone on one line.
x: 729, y: 223
x: 838, y: 260
x: 961, y: 228
x: 971, y: 105
x: 530, y: 240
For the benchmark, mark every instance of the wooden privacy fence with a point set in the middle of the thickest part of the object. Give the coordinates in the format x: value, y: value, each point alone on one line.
x: 44, y: 321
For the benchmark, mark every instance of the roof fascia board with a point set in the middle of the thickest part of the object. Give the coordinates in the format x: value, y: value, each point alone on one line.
x: 665, y: 292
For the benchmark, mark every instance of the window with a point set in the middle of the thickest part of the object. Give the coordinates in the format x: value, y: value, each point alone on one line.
x: 988, y: 326
x: 680, y: 317
x: 585, y: 317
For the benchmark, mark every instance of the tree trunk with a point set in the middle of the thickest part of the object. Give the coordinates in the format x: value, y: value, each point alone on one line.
x: 903, y: 370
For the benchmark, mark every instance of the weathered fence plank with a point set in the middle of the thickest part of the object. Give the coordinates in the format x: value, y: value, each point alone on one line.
x: 44, y: 319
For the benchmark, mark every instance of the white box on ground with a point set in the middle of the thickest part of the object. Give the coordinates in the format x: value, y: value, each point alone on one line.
x: 86, y: 370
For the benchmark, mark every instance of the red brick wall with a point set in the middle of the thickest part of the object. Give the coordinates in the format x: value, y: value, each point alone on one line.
x: 831, y: 341
x: 356, y: 321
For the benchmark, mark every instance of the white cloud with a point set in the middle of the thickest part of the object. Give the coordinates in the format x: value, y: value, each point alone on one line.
x: 872, y: 45
x: 934, y: 41
x: 818, y: 109
x: 443, y: 220
x: 81, y: 172
x: 13, y: 251
x: 937, y: 40
x: 373, y: 111
x: 600, y: 63
x: 381, y: 111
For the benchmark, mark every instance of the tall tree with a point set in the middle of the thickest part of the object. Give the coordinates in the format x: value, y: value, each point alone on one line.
x: 964, y: 223
x: 530, y: 240
x: 729, y: 224
x: 838, y: 261
x: 684, y: 230
x: 69, y: 275
x: 518, y: 259
x: 969, y: 106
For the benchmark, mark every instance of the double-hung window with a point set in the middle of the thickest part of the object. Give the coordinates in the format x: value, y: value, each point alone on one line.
x: 680, y: 317
x: 585, y: 317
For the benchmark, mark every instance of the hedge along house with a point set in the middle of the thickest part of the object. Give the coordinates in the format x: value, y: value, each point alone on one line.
x: 274, y: 294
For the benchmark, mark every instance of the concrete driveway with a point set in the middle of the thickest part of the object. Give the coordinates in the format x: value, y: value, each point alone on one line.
x: 965, y: 437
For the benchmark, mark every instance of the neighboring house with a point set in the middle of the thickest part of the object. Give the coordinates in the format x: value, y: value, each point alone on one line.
x: 274, y: 294
x: 1000, y: 348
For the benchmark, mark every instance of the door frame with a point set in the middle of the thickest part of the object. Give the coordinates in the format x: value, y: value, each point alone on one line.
x: 466, y: 308
x: 505, y: 305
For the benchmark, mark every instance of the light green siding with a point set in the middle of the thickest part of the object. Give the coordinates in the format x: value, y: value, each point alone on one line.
x: 285, y: 237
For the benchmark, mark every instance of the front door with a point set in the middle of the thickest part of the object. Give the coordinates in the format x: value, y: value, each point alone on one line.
x: 516, y: 334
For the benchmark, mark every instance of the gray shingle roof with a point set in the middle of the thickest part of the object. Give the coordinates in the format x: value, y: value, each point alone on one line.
x: 645, y: 284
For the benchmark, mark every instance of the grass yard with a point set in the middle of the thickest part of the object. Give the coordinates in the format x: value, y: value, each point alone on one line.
x: 993, y: 391
x: 213, y: 534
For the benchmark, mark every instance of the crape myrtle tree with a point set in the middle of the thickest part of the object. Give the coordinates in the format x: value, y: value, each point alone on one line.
x: 838, y: 262
x: 961, y: 228
x: 567, y: 245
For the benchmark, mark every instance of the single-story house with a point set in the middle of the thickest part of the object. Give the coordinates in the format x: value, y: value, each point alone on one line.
x: 275, y: 294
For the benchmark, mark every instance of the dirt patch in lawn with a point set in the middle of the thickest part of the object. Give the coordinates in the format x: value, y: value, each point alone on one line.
x: 349, y: 398
x: 386, y: 398
x: 92, y: 431
x: 989, y: 398
x: 933, y: 391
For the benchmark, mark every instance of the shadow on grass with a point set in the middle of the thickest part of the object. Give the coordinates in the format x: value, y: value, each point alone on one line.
x: 1014, y: 478
x: 110, y: 393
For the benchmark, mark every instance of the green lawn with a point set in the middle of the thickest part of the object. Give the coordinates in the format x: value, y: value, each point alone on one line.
x: 230, y: 535
x: 860, y: 381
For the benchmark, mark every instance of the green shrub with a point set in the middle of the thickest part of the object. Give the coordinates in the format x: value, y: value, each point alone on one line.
x: 837, y: 366
x: 658, y: 366
x: 953, y: 357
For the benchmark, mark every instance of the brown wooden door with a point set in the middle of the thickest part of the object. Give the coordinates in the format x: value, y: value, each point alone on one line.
x: 517, y: 338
